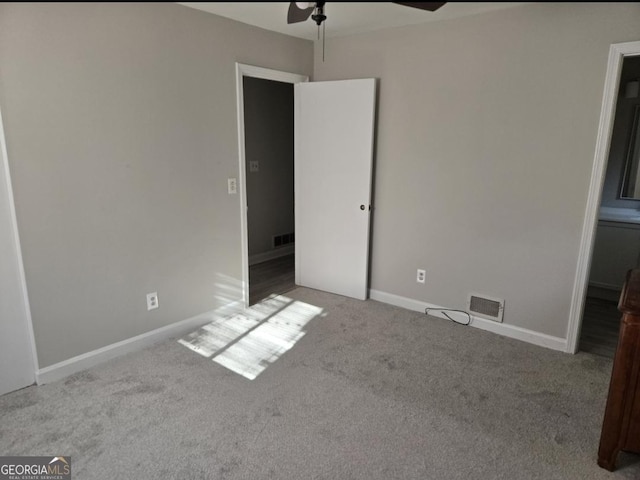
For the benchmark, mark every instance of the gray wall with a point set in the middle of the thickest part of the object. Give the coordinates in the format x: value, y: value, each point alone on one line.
x: 121, y: 131
x: 620, y: 136
x: 268, y: 121
x: 485, y: 144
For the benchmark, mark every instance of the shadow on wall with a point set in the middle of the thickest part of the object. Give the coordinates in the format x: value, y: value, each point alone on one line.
x: 228, y: 289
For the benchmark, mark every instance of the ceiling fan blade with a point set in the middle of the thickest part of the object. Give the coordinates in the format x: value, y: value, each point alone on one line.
x: 430, y: 6
x: 297, y: 14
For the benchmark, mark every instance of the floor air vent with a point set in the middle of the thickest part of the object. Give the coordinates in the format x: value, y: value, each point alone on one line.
x: 485, y: 307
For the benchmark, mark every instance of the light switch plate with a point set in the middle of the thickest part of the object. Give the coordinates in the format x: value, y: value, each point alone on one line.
x: 232, y: 184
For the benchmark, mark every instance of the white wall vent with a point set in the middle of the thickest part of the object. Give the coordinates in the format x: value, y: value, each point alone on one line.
x: 486, y: 307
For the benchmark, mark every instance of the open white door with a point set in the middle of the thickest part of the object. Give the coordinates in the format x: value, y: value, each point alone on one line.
x: 334, y: 125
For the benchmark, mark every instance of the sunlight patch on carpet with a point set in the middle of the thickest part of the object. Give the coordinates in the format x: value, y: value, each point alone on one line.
x: 249, y: 341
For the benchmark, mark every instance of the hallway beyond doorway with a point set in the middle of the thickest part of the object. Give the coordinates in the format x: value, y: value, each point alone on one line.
x: 275, y: 276
x: 600, y: 327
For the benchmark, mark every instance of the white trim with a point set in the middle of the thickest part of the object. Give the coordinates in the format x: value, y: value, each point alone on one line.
x: 506, y: 330
x: 90, y: 359
x: 297, y: 279
x: 617, y: 52
x: 271, y: 254
x: 16, y: 236
x: 243, y: 70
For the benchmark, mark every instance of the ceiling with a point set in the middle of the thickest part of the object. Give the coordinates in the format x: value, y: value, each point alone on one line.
x: 343, y: 18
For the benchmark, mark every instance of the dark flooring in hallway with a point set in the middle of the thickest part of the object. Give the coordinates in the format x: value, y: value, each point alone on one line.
x: 272, y: 277
x: 600, y: 327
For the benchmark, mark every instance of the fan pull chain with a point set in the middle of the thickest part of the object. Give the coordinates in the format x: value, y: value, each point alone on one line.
x: 324, y: 25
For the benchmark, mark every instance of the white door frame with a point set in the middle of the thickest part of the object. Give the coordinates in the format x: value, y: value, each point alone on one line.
x: 17, y: 256
x: 617, y: 52
x: 243, y: 70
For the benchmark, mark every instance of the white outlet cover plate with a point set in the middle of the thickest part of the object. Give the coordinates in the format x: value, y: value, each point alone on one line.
x: 152, y: 301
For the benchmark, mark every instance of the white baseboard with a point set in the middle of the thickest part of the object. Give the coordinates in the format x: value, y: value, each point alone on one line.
x: 511, y: 331
x: 87, y: 360
x: 272, y: 254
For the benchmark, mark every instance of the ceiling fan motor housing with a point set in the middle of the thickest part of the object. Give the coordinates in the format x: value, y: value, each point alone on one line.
x: 300, y: 11
x: 319, y: 18
x: 319, y: 15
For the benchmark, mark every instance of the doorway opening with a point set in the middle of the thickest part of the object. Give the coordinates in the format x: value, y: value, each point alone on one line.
x: 617, y: 241
x: 266, y: 145
x: 595, y: 212
x: 268, y: 139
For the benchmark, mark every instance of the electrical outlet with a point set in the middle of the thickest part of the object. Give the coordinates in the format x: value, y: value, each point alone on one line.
x: 254, y: 166
x: 152, y: 301
x: 421, y: 276
x: 232, y: 185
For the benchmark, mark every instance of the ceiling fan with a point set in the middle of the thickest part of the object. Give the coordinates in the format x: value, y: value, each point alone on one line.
x: 301, y: 11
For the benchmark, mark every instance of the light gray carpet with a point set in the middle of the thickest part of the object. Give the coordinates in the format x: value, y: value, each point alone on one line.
x: 370, y: 392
